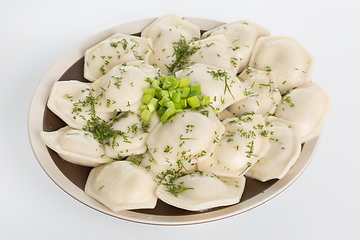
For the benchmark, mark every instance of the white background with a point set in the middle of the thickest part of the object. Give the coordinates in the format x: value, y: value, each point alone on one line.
x: 322, y: 204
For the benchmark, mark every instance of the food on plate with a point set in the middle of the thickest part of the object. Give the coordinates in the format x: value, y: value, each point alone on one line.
x: 196, y: 192
x: 76, y: 146
x: 307, y: 106
x: 261, y: 93
x: 170, y: 35
x: 243, y: 143
x: 285, y: 147
x: 189, y: 137
x: 290, y: 62
x: 222, y: 86
x: 122, y: 185
x: 115, y: 50
x: 185, y: 116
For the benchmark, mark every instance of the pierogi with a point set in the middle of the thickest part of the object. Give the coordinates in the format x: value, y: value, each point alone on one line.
x: 240, y: 105
x: 222, y: 86
x: 190, y: 137
x: 290, y: 62
x: 122, y: 186
x: 164, y: 32
x: 262, y: 94
x: 115, y: 50
x: 76, y: 146
x: 285, y: 147
x: 242, y: 36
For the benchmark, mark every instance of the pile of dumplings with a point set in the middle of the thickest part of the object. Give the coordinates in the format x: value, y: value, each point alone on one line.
x: 263, y: 107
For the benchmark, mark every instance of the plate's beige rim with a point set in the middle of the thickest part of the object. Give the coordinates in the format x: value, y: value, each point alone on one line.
x: 35, y: 126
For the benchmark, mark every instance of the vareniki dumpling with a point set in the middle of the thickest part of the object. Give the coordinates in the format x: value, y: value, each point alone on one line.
x: 203, y: 191
x: 290, y: 62
x: 164, y: 33
x: 134, y: 135
x: 68, y: 101
x: 121, y: 89
x: 241, y: 146
x: 285, y: 147
x: 207, y: 51
x: 115, y: 50
x: 262, y: 94
x: 307, y: 106
x: 122, y: 185
x: 222, y: 86
x: 76, y: 146
x: 242, y: 36
x: 189, y: 136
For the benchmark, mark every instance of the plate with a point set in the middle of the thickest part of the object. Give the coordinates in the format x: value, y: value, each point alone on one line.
x: 71, y: 178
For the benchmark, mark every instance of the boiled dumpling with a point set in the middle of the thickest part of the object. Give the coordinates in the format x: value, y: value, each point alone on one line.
x: 68, y: 100
x: 166, y: 32
x: 115, y: 50
x: 285, y: 147
x: 241, y: 36
x: 134, y: 135
x: 189, y: 137
x: 214, y: 51
x: 307, y: 106
x: 261, y: 91
x: 121, y: 89
x: 290, y: 62
x: 76, y: 146
x: 241, y: 146
x: 148, y: 162
x: 122, y: 185
x: 222, y: 86
x: 201, y: 191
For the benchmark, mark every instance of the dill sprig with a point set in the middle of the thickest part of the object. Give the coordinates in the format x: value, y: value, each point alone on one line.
x: 182, y: 52
x: 168, y: 177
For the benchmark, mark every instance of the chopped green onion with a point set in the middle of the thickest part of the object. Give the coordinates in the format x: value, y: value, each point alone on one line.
x: 195, y: 87
x: 194, y: 101
x: 169, y: 96
x: 176, y: 97
x: 184, y: 82
x: 185, y: 92
x: 146, y: 98
x: 145, y: 115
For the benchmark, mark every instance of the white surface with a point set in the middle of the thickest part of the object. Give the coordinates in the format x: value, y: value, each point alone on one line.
x: 322, y: 204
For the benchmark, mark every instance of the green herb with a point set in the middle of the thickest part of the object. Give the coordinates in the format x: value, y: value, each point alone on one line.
x: 223, y: 76
x: 168, y: 177
x: 169, y: 96
x: 182, y: 52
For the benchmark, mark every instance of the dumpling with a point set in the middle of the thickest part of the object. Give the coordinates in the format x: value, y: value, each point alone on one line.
x: 121, y: 89
x: 189, y: 137
x: 134, y: 135
x: 76, y: 146
x: 261, y: 91
x: 241, y: 36
x: 241, y: 146
x: 147, y: 161
x: 214, y: 51
x: 168, y: 32
x: 201, y: 191
x: 285, y: 147
x: 122, y: 185
x: 290, y: 62
x: 69, y: 101
x: 307, y: 106
x: 222, y: 86
x: 115, y: 50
